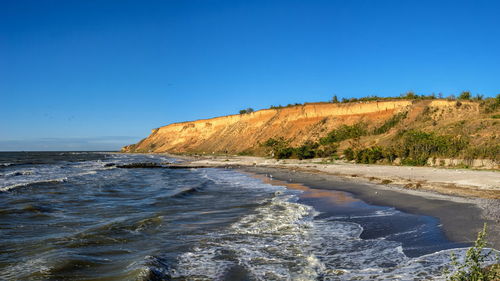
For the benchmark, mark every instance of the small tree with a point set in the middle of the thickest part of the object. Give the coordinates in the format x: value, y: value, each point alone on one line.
x: 465, y: 95
x: 248, y: 110
x: 410, y: 95
x: 335, y: 99
x: 479, y: 97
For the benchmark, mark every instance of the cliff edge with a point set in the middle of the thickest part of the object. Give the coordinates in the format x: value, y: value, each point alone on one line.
x: 244, y: 133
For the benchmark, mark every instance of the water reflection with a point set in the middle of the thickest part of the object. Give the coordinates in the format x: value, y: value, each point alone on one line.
x: 328, y: 196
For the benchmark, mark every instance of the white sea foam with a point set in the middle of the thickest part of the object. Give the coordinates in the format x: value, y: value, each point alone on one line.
x: 48, y: 173
x: 8, y: 187
x: 270, y: 243
x: 281, y: 240
x: 18, y: 173
x: 379, y: 213
x: 30, y: 266
x: 13, y: 177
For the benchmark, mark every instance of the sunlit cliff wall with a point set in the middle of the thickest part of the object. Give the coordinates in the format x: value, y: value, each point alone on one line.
x: 238, y: 133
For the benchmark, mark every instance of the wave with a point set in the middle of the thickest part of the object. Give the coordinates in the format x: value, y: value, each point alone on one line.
x: 17, y: 173
x: 151, y: 268
x: 43, y: 180
x: 45, y: 174
x: 269, y: 244
x: 2, y: 165
x: 26, y: 184
x: 190, y: 190
x: 185, y: 192
x: 5, y: 165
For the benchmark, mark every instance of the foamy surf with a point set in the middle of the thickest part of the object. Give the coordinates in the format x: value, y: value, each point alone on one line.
x: 24, y: 184
x: 44, y: 173
x: 272, y: 243
x: 284, y: 240
x: 202, y: 224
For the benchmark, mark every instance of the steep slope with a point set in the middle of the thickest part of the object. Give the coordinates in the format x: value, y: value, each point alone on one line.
x: 244, y: 133
x: 238, y: 133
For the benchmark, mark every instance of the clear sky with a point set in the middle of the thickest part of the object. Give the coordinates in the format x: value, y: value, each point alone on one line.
x: 80, y: 75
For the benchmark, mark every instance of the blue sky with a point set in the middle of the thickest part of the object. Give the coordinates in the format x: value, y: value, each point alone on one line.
x: 86, y: 75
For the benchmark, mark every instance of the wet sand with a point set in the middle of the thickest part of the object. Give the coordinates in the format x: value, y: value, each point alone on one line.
x: 461, y: 218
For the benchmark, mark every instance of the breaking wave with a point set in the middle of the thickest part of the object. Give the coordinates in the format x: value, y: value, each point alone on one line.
x: 26, y: 184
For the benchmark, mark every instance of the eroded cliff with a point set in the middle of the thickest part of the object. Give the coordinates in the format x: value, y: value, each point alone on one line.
x: 244, y: 132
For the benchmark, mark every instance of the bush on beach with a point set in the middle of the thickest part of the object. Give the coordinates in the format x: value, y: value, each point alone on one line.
x: 472, y: 268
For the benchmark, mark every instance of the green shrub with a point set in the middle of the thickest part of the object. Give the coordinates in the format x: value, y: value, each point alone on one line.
x: 369, y: 155
x: 415, y: 147
x: 390, y: 154
x: 479, y: 97
x: 496, y: 116
x: 349, y: 154
x: 483, y: 152
x: 280, y: 148
x: 307, y: 150
x: 288, y: 105
x: 465, y: 95
x: 472, y: 268
x: 410, y: 95
x: 328, y: 150
x: 393, y: 121
x: 248, y: 110
x: 344, y: 132
x: 284, y: 153
x: 271, y: 142
x: 491, y: 104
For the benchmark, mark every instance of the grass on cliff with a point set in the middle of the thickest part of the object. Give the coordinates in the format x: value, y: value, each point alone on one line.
x: 345, y: 132
x: 391, y: 123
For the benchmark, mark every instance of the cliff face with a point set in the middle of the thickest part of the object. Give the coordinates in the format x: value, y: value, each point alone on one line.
x: 244, y: 132
x: 238, y: 133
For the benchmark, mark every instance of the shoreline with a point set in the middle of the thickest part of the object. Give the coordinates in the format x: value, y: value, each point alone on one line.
x: 462, y: 214
x: 447, y: 210
x: 464, y: 183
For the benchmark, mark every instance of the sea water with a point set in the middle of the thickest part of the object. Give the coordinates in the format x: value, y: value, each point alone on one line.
x: 76, y: 216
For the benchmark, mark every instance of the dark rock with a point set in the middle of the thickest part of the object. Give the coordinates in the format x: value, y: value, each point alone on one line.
x: 140, y: 165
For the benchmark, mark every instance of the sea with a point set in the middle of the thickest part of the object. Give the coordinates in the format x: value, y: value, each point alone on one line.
x: 78, y: 216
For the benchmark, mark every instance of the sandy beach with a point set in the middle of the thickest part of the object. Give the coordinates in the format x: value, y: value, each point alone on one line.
x: 463, y: 200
